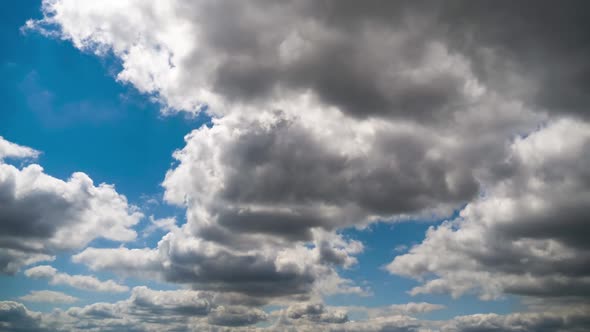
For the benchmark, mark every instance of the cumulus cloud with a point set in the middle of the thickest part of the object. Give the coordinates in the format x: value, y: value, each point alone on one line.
x: 526, y: 235
x: 48, y: 296
x: 77, y: 281
x: 372, y: 114
x: 316, y: 312
x: 265, y: 272
x: 335, y: 114
x: 400, y: 59
x: 41, y: 215
x: 15, y: 316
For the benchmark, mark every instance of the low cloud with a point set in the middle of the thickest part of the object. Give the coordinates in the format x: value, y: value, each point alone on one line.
x: 46, y: 296
x: 77, y: 281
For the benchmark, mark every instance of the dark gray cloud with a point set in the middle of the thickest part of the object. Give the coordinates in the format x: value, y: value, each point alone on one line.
x: 532, y: 48
x: 15, y: 317
x: 273, y: 177
x: 236, y: 316
x: 316, y: 312
x: 526, y: 235
x: 265, y: 273
x: 360, y: 58
x: 357, y: 56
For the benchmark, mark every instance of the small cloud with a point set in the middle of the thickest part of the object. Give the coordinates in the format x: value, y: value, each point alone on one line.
x: 400, y: 248
x: 166, y: 224
x: 47, y: 296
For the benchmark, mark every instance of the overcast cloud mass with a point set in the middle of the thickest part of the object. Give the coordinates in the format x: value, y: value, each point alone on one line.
x: 325, y: 118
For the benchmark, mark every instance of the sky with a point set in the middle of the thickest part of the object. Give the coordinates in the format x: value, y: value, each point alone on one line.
x: 294, y: 166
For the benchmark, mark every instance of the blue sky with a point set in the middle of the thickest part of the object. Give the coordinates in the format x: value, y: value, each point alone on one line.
x: 66, y: 101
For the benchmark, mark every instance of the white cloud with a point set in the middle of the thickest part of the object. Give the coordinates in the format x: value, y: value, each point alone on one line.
x: 166, y: 224
x: 12, y: 150
x: 77, y: 281
x: 47, y: 296
x: 41, y: 215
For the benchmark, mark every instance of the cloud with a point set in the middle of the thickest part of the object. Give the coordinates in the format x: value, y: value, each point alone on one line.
x: 166, y: 224
x: 144, y: 310
x: 401, y: 59
x: 316, y: 312
x: 15, y: 316
x: 282, y: 176
x: 328, y: 115
x: 266, y: 272
x: 410, y: 309
x: 47, y: 296
x: 526, y: 234
x: 236, y: 316
x: 12, y: 150
x: 41, y: 215
x: 76, y: 281
x: 536, y: 53
x: 149, y: 310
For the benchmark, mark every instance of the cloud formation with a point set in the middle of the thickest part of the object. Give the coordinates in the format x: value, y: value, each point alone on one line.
x: 328, y: 115
x: 526, y: 235
x: 41, y: 215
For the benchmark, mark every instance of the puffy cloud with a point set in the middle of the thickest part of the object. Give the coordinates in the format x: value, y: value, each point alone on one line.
x: 236, y: 316
x: 281, y: 175
x: 316, y: 312
x: 385, y: 112
x: 346, y: 64
x: 370, y: 59
x: 375, y: 108
x: 76, y: 281
x: 48, y: 297
x: 267, y: 271
x: 356, y: 139
x: 526, y: 235
x: 41, y: 215
x: 16, y: 317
